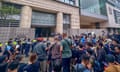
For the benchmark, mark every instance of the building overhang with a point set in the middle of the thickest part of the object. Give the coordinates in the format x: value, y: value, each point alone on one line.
x: 92, y: 18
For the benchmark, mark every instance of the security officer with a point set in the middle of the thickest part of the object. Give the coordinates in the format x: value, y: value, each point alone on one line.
x: 1, y: 47
x: 8, y: 49
x: 34, y: 42
x: 23, y: 46
x: 14, y: 43
x: 27, y: 47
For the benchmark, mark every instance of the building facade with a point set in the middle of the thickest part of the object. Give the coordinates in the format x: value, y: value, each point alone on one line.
x: 93, y: 13
x: 47, y: 16
x: 100, y: 14
x: 113, y: 13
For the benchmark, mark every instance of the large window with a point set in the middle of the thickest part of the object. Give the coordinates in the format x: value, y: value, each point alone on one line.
x: 44, y: 19
x: 66, y: 21
x: 71, y: 2
x: 94, y: 6
x: 11, y: 19
x: 115, y: 3
x: 117, y: 16
x: 91, y: 6
x: 102, y: 4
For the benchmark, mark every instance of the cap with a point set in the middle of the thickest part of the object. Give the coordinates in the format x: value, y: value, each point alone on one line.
x: 40, y: 39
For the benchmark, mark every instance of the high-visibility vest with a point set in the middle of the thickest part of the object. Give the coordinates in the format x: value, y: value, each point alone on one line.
x: 22, y: 42
x: 6, y: 43
x: 34, y: 41
x: 1, y: 44
x: 14, y: 43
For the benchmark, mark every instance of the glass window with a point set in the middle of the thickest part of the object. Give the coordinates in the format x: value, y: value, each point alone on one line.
x: 71, y: 2
x: 67, y: 1
x: 113, y: 1
x: 41, y: 18
x: 94, y: 6
x: 97, y: 25
x: 117, y: 16
x: 103, y: 10
x: 11, y: 20
x: 62, y: 0
x: 66, y: 21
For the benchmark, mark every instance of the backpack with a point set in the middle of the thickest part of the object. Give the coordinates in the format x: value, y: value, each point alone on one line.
x: 21, y: 67
x: 28, y: 68
x: 82, y: 69
x: 69, y: 44
x: 97, y: 66
x: 55, y: 51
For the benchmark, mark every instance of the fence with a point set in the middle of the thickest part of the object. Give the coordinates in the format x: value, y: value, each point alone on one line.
x: 13, y: 32
x: 79, y: 31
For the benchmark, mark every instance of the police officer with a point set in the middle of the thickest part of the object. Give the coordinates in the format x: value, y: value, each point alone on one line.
x: 34, y: 42
x: 14, y: 43
x: 27, y: 47
x: 8, y: 49
x: 1, y: 47
x: 23, y: 46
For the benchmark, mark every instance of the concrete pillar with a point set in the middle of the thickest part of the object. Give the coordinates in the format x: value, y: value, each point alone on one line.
x: 26, y: 16
x: 59, y: 25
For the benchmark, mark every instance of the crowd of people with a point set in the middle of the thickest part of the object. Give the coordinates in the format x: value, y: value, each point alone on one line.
x: 80, y: 53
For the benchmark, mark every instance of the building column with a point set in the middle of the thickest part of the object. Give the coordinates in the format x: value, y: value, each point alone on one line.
x: 59, y: 25
x: 26, y: 17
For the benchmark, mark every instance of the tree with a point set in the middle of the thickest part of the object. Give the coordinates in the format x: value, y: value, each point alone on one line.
x: 7, y: 11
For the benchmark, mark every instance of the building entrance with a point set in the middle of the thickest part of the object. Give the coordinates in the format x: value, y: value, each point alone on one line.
x: 44, y: 32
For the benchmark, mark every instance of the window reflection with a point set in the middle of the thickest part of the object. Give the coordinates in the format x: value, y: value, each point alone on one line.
x: 41, y: 18
x: 71, y: 2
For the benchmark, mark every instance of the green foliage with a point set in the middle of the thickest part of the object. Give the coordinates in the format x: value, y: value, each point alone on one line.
x: 6, y: 10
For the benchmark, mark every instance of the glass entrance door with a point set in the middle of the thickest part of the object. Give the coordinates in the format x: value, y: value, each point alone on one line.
x: 43, y: 32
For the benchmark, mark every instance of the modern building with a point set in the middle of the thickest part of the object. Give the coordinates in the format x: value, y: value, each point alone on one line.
x: 113, y: 13
x: 46, y: 16
x: 92, y: 15
x: 100, y: 14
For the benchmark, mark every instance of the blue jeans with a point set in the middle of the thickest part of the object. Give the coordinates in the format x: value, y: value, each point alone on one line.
x: 55, y: 65
x: 66, y: 64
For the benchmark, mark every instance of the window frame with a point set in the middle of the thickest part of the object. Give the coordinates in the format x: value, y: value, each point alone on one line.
x: 69, y: 2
